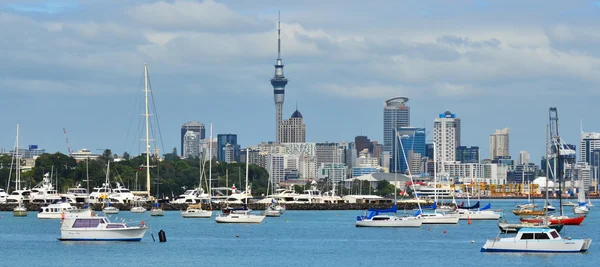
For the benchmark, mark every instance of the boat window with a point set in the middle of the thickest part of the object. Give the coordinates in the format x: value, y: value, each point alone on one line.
x: 541, y: 236
x: 527, y: 236
x: 86, y: 223
x: 380, y: 218
x: 554, y: 234
x: 113, y: 225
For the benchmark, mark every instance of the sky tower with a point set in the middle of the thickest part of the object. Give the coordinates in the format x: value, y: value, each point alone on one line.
x: 278, y: 81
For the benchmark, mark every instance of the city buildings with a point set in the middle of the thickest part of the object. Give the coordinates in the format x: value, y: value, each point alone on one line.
x: 413, y: 142
x: 222, y: 141
x: 191, y: 144
x: 489, y: 173
x: 395, y: 114
x: 466, y: 154
x: 445, y: 132
x: 293, y: 130
x: 193, y: 126
x: 278, y: 82
x: 524, y: 157
x: 333, y: 171
x: 499, y: 143
x: 328, y: 153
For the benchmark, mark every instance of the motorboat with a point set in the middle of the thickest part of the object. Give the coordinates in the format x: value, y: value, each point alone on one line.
x: 196, y: 211
x: 570, y: 203
x: 566, y: 220
x: 526, y: 206
x: 20, y: 211
x: 272, y: 211
x: 19, y: 196
x: 388, y: 218
x: 439, y: 218
x: 99, y: 229
x: 98, y: 194
x: 110, y: 209
x: 44, y: 192
x: 506, y: 227
x: 156, y: 210
x: 138, y: 209
x: 61, y: 210
x: 484, y: 213
x: 121, y: 194
x: 528, y: 212
x: 76, y: 195
x: 192, y: 196
x: 550, y: 208
x: 537, y: 240
x: 3, y: 196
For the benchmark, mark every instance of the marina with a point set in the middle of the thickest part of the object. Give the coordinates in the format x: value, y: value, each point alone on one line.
x: 294, y: 235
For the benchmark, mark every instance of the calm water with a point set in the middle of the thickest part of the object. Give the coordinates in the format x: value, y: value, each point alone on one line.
x: 298, y: 238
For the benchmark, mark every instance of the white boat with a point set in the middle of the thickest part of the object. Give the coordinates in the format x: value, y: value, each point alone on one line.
x: 230, y: 216
x: 192, y: 196
x: 3, y: 196
x: 19, y: 196
x: 538, y: 240
x: 99, y: 229
x: 387, y: 218
x: 439, y: 218
x: 581, y: 207
x: 478, y: 214
x: 121, y: 194
x: 76, y: 195
x: 570, y: 203
x: 20, y: 211
x: 138, y: 209
x: 110, y: 210
x: 581, y: 210
x: 62, y: 210
x: 44, y: 192
x: 196, y: 211
x: 272, y: 211
x: 156, y: 210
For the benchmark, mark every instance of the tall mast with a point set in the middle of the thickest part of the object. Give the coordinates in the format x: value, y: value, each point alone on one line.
x: 210, y: 164
x: 434, y: 174
x: 247, y: 157
x: 147, y: 131
x: 18, y: 160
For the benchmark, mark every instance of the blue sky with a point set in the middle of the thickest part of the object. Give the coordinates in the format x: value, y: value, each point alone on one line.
x: 78, y: 65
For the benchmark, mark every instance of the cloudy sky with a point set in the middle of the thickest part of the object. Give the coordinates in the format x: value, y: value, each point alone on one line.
x: 79, y: 65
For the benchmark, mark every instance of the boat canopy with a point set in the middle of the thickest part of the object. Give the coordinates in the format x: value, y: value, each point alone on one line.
x: 434, y: 206
x: 487, y: 207
x: 476, y: 206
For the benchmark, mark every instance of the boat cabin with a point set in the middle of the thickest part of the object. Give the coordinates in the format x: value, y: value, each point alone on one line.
x: 530, y: 234
x: 98, y: 222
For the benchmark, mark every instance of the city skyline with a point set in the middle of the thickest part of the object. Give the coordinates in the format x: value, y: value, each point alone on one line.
x: 196, y: 79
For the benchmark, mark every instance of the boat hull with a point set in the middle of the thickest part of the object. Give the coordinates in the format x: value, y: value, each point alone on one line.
x: 536, y: 246
x: 197, y: 214
x: 110, y: 211
x: 446, y: 219
x: 393, y: 222
x: 240, y: 218
x: 480, y: 216
x: 138, y: 210
x: 272, y: 213
x: 565, y: 221
x: 20, y: 213
x: 515, y: 227
x: 59, y: 215
x: 157, y: 212
x: 127, y: 234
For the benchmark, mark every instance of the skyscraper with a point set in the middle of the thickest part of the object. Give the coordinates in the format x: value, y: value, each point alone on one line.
x: 191, y: 144
x: 499, y: 142
x: 395, y: 114
x: 524, y: 157
x: 444, y: 136
x: 278, y: 82
x: 193, y: 126
x: 413, y: 142
x: 293, y: 130
x: 589, y: 142
x: 222, y: 141
x: 466, y: 154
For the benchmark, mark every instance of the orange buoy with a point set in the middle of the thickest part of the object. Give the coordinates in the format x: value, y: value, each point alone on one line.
x: 469, y: 220
x: 62, y: 216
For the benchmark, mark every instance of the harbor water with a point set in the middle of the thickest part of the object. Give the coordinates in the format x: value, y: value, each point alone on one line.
x: 297, y: 238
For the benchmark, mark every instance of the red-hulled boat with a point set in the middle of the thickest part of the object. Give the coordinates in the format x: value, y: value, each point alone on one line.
x: 566, y: 220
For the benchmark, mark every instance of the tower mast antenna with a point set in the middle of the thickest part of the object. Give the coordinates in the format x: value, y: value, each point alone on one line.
x: 279, y: 35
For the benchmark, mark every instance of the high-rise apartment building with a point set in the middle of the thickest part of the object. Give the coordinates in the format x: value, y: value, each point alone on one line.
x: 191, y: 144
x: 395, y: 114
x: 444, y: 136
x: 466, y: 154
x: 327, y: 153
x: 589, y: 142
x: 293, y: 130
x: 222, y: 141
x: 524, y: 157
x: 411, y: 143
x: 499, y: 143
x: 193, y: 126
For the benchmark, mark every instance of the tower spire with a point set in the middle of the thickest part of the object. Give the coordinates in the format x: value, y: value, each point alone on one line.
x: 279, y: 35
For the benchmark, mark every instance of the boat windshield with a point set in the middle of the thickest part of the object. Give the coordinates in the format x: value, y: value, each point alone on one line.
x: 554, y: 234
x: 86, y: 223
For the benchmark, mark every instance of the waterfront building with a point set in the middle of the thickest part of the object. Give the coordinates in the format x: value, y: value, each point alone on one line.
x: 466, y: 154
x: 524, y: 157
x: 395, y: 114
x: 193, y: 126
x: 278, y: 82
x: 521, y: 172
x: 327, y: 153
x: 191, y: 144
x: 276, y: 165
x: 499, y: 143
x: 222, y: 141
x: 588, y: 143
x: 293, y: 130
x: 363, y: 170
x: 579, y: 171
x: 445, y: 131
x: 335, y: 171
x: 298, y: 149
x: 489, y: 173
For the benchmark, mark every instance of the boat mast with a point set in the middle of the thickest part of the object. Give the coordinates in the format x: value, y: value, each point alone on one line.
x: 434, y: 174
x: 147, y: 132
x: 210, y: 165
x: 247, y: 157
x: 18, y: 161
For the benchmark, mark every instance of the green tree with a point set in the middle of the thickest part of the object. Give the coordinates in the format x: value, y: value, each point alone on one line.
x: 126, y: 155
x: 384, y: 188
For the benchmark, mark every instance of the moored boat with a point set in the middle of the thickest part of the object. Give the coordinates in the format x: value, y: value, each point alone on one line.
x: 528, y: 212
x: 99, y: 229
x: 60, y: 210
x: 196, y: 211
x: 388, y: 218
x: 536, y: 240
x: 566, y: 220
x: 506, y: 227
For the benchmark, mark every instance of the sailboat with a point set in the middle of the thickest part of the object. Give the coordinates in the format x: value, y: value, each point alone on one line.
x: 271, y: 210
x: 389, y: 217
x: 527, y: 205
x: 582, y: 205
x: 436, y: 217
x: 109, y: 209
x: 240, y: 215
x: 156, y: 210
x: 196, y: 211
x: 477, y: 213
x: 20, y: 210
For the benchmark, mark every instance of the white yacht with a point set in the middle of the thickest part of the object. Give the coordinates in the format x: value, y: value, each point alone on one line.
x: 99, y: 229
x: 196, y: 211
x: 76, y: 195
x: 387, y: 218
x: 281, y: 195
x: 331, y: 198
x: 62, y: 210
x: 536, y: 240
x: 464, y: 214
x: 439, y: 218
x: 98, y: 194
x: 110, y: 209
x: 430, y: 191
x: 44, y: 192
x: 3, y: 196
x: 192, y: 196
x: 120, y: 194
x: 19, y: 196
x: 308, y: 197
x: 156, y: 210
